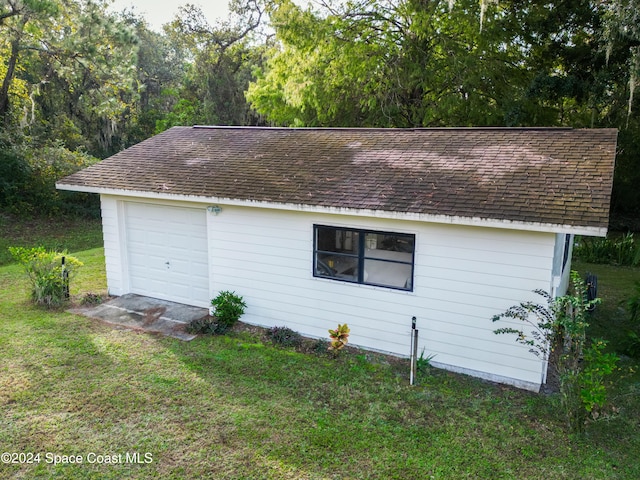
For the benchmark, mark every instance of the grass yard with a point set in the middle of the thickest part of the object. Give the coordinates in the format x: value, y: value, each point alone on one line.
x: 237, y: 407
x: 62, y: 234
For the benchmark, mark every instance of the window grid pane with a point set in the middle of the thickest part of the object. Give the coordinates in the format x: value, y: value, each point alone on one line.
x: 363, y: 256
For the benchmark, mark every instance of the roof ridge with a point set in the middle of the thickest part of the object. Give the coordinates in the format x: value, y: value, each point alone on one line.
x: 383, y: 129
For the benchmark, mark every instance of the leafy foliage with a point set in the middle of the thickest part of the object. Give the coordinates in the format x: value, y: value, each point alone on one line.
x: 15, y: 178
x: 28, y: 178
x: 48, y: 276
x: 79, y: 63
x: 633, y: 304
x: 284, y: 336
x: 91, y: 299
x: 423, y: 363
x: 222, y: 58
x: 558, y: 336
x: 206, y: 325
x: 228, y: 308
x: 544, y: 333
x: 613, y: 251
x: 632, y: 341
x: 339, y: 338
x: 598, y: 365
x: 419, y: 63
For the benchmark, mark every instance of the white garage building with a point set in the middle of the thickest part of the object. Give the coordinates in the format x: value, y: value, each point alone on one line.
x: 315, y: 227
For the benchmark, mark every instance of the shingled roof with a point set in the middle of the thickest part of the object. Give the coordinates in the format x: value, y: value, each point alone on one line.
x: 529, y: 176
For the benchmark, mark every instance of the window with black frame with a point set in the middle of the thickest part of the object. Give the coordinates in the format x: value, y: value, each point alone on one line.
x: 364, y: 256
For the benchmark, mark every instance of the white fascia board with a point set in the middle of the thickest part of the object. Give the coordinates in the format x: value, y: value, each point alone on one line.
x: 417, y: 217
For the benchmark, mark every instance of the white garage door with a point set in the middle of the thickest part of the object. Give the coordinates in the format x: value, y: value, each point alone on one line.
x: 167, y: 252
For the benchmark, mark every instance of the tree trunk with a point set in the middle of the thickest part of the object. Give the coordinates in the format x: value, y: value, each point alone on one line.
x: 6, y: 83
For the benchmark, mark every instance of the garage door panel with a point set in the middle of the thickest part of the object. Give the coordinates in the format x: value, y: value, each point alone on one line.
x: 200, y: 270
x: 168, y: 252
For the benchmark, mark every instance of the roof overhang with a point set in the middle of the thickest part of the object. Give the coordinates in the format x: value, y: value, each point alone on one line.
x: 416, y: 217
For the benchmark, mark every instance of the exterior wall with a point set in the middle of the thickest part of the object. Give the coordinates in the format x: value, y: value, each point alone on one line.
x: 113, y: 235
x: 463, y: 276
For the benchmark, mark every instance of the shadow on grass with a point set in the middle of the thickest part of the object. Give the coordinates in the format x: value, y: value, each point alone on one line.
x: 311, y: 412
x: 235, y: 407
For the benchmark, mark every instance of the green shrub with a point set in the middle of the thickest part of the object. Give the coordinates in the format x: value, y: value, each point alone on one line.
x: 558, y: 335
x: 284, y: 336
x: 423, y: 364
x: 15, y: 175
x: 634, y: 306
x: 91, y: 299
x: 319, y: 346
x: 598, y: 365
x: 206, y: 325
x: 612, y: 251
x: 48, y: 276
x: 227, y: 308
x: 28, y: 176
x: 631, y: 345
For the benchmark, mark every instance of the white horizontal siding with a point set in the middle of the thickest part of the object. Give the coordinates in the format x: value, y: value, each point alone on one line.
x: 469, y: 276
x: 112, y: 244
x: 463, y: 276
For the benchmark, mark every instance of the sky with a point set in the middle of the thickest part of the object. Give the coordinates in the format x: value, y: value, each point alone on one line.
x: 159, y: 12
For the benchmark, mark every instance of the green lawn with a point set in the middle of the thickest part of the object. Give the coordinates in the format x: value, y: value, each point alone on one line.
x: 61, y: 233
x: 236, y: 407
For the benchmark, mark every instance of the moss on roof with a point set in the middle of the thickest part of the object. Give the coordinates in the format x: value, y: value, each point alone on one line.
x: 553, y: 176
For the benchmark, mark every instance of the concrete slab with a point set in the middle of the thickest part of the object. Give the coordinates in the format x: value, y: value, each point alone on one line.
x: 147, y: 314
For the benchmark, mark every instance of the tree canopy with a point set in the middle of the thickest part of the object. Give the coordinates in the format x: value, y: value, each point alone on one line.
x: 81, y: 81
x: 427, y: 63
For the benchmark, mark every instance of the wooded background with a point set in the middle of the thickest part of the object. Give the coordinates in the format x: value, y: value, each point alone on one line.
x: 79, y: 83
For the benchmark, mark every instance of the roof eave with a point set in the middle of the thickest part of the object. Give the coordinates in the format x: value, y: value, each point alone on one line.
x: 419, y: 217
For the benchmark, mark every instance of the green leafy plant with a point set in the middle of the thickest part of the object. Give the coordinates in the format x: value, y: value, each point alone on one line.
x: 424, y: 363
x: 284, y: 336
x: 318, y: 346
x: 598, y: 365
x: 631, y: 344
x: 49, y: 276
x: 227, y: 309
x: 91, y: 299
x: 339, y: 338
x: 633, y: 304
x: 206, y: 325
x: 623, y: 250
x: 558, y: 335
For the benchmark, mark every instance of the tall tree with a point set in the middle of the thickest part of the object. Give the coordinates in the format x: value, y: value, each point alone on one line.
x: 429, y: 62
x: 79, y: 63
x: 16, y: 17
x: 385, y: 63
x: 404, y: 63
x: 161, y: 69
x: 221, y: 60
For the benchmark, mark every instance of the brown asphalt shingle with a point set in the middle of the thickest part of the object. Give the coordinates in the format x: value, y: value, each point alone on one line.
x: 555, y: 176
